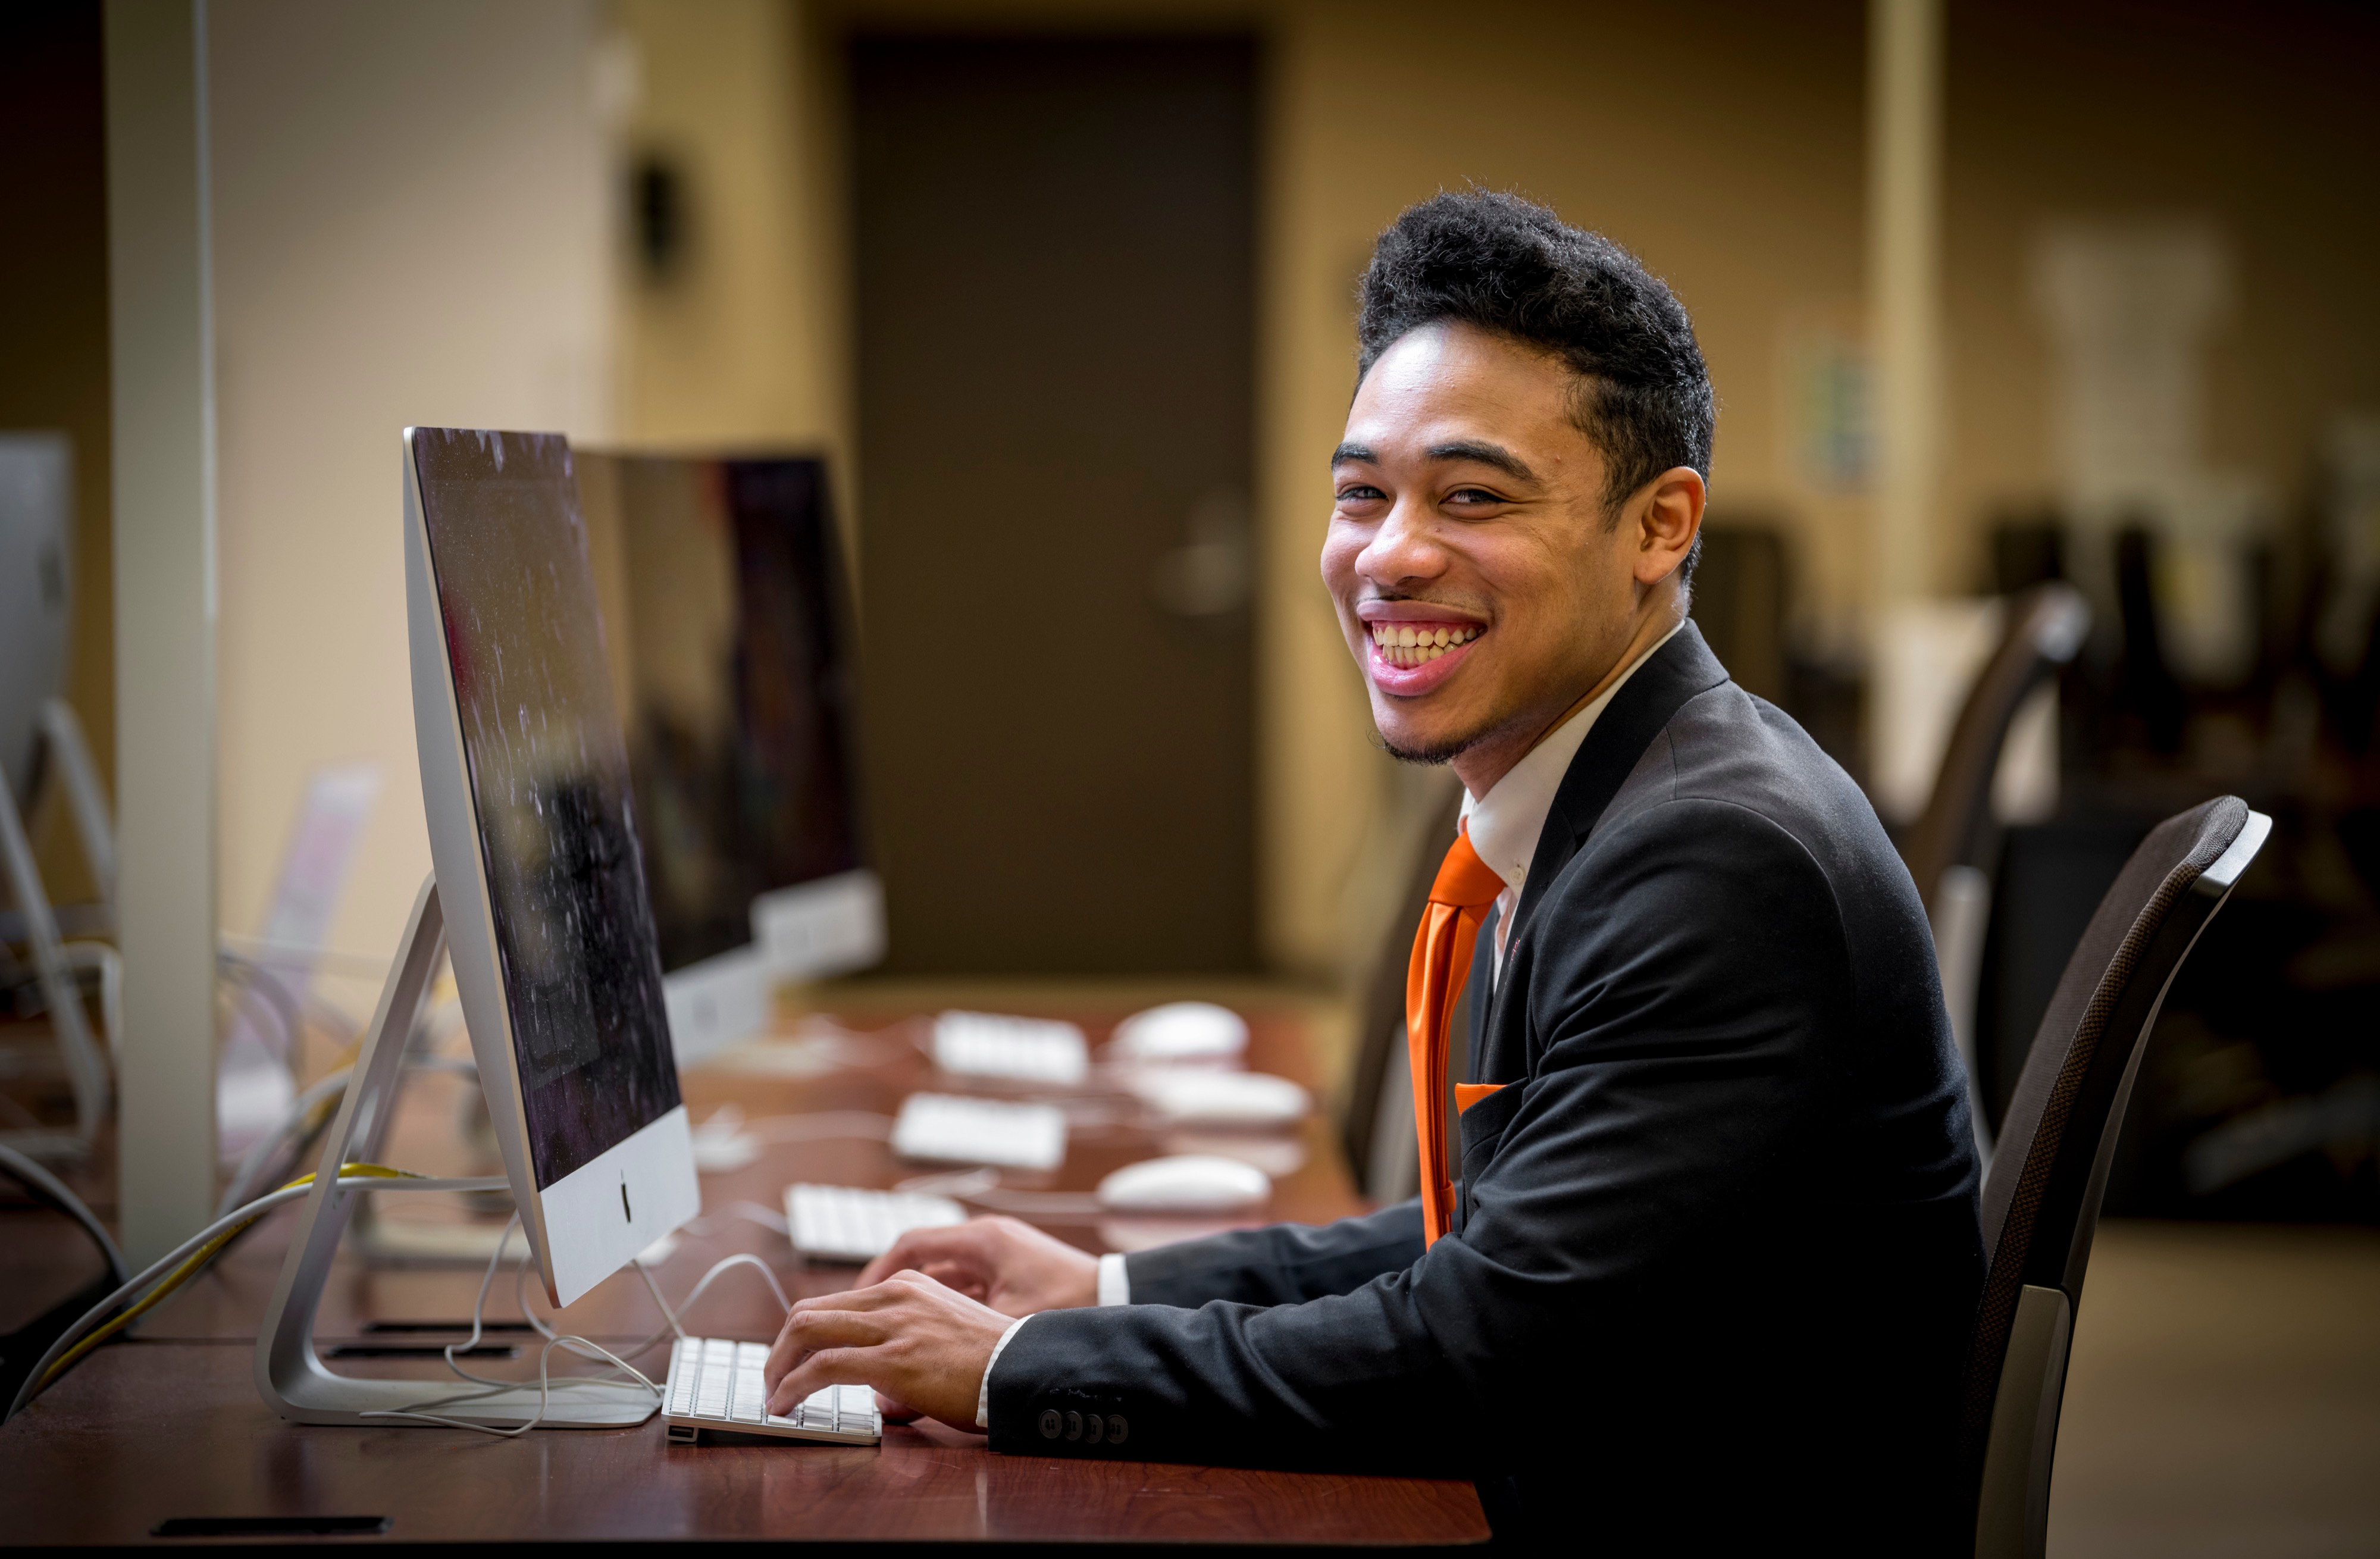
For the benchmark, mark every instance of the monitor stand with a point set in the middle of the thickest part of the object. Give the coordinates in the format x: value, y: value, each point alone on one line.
x: 53, y: 963
x: 289, y: 1373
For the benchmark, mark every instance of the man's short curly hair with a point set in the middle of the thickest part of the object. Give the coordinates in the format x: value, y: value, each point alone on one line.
x: 1509, y: 265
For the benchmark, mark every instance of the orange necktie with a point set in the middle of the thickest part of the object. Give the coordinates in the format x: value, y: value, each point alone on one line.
x: 1441, y: 960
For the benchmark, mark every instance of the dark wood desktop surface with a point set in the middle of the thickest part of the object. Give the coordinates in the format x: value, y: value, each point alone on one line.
x: 171, y: 1425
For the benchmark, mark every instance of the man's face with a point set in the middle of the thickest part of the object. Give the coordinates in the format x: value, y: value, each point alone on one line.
x: 1477, y: 578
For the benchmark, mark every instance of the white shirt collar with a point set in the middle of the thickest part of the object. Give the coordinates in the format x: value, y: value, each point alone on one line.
x: 1504, y: 824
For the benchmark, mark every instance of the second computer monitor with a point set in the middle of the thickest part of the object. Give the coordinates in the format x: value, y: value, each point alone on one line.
x: 729, y: 643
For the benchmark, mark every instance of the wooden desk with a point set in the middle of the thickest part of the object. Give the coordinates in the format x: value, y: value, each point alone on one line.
x: 170, y: 1425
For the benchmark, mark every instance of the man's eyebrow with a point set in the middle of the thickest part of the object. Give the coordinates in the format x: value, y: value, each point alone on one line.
x: 1486, y: 454
x: 1494, y: 454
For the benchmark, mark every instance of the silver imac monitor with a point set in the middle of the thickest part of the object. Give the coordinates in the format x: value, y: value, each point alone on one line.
x: 533, y: 835
x: 728, y: 628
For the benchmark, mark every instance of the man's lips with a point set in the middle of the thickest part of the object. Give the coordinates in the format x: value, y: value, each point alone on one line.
x: 1411, y: 657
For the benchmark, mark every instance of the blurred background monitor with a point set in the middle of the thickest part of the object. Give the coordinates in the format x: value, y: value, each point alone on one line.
x: 728, y: 635
x: 36, y: 508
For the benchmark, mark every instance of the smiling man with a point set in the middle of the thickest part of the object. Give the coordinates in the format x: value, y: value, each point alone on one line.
x: 1696, y: 1254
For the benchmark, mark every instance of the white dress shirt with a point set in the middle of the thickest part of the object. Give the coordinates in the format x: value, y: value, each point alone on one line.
x: 1504, y: 825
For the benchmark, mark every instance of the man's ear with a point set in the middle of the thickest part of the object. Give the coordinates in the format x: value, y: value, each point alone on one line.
x: 1670, y: 515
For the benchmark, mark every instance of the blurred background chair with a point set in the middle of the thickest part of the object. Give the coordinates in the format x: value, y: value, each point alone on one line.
x: 1740, y: 603
x: 2042, y: 1195
x: 1376, y: 1124
x: 1954, y: 845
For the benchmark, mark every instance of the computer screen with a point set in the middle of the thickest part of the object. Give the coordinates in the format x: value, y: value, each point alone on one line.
x: 722, y: 586
x: 548, y: 771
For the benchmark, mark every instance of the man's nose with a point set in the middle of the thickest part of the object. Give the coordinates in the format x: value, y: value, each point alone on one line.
x: 1403, y: 548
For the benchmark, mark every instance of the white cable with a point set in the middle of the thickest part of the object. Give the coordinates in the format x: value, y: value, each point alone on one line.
x: 749, y: 1212
x: 290, y: 954
x: 584, y: 1347
x: 1058, y: 1207
x: 188, y: 1248
x: 546, y: 1385
x: 545, y: 1389
x: 50, y: 1186
x: 821, y: 1123
x: 292, y: 1120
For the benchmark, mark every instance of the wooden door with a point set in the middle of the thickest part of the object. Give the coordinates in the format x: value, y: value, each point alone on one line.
x: 1055, y: 331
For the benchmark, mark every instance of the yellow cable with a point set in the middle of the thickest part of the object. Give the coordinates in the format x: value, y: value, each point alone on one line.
x: 190, y: 1269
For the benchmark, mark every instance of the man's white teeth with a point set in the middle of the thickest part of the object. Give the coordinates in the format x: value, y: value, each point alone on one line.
x: 1418, y: 644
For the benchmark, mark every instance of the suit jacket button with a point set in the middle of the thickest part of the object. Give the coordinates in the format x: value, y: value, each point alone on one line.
x: 1116, y: 1429
x: 1051, y: 1423
x: 1094, y: 1428
x: 1073, y: 1426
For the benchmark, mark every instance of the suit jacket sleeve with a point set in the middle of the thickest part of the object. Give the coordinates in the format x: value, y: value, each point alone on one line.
x: 1688, y: 974
x: 1285, y: 1265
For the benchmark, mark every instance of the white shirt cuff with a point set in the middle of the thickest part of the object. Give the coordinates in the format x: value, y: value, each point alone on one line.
x: 983, y: 1393
x: 1115, y: 1288
x: 1115, y: 1284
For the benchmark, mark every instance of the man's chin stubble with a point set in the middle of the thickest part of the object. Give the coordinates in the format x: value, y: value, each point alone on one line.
x: 1448, y: 748
x: 1442, y: 753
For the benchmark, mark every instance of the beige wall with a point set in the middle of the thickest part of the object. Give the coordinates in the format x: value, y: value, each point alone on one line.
x: 743, y: 344
x: 413, y: 224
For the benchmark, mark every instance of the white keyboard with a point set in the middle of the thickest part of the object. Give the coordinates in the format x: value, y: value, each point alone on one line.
x: 845, y: 1224
x: 715, y: 1384
x: 952, y: 1129
x: 1023, y: 1050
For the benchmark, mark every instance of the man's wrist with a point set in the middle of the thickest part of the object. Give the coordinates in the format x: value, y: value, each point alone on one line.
x: 983, y: 1393
x: 1115, y: 1281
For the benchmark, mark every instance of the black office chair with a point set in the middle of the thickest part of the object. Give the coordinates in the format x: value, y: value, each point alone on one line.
x: 1952, y: 848
x: 2040, y: 1200
x: 2045, y: 630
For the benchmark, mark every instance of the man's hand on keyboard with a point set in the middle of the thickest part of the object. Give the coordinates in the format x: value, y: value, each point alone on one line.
x: 1010, y: 1266
x: 912, y: 1339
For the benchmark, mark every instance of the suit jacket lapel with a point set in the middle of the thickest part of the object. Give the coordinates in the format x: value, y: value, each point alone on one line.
x: 1677, y: 671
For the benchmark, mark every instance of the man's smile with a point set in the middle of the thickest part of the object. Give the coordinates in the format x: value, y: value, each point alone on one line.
x: 1412, y: 655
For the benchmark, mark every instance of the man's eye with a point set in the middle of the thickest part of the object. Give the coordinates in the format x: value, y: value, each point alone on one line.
x: 1359, y: 493
x: 1472, y: 495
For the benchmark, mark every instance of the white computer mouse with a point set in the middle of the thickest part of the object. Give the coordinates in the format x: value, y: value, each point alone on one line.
x: 1187, y: 1096
x: 1185, y: 1183
x: 1180, y: 1031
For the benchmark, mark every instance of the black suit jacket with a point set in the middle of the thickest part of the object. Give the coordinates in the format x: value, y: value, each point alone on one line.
x: 1718, y: 1252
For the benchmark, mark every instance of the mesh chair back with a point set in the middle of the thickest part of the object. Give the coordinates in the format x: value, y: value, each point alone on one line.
x: 2040, y: 1200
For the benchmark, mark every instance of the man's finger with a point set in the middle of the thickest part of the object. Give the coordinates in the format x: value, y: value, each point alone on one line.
x: 876, y: 1297
x: 965, y: 1280
x: 810, y: 1331
x: 827, y: 1366
x: 954, y: 1245
x: 812, y: 1326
